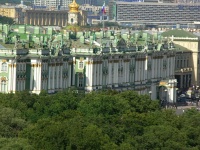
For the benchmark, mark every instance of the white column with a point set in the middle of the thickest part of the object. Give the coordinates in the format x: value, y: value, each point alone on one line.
x: 34, y: 76
x: 98, y: 71
x: 91, y: 74
x: 172, y: 66
x: 58, y: 72
x: 14, y: 77
x: 87, y: 73
x: 127, y: 71
x: 158, y: 68
x: 145, y: 68
x: 152, y: 67
x: 69, y: 78
x: 136, y: 70
x: 155, y: 63
x: 168, y: 67
x: 49, y: 77
x: 53, y: 78
x: 100, y: 74
x: 39, y: 77
x: 61, y: 77
x: 74, y: 65
x: 94, y: 73
x: 123, y: 80
x: 172, y: 91
x: 139, y: 70
x: 109, y: 73
x: 31, y: 77
x: 116, y: 74
x: 161, y: 68
x: 10, y: 77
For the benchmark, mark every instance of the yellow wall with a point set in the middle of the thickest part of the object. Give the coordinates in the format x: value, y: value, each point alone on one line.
x: 8, y: 12
x: 194, y: 47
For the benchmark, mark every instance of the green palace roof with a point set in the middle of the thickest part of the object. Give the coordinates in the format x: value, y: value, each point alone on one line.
x: 178, y: 33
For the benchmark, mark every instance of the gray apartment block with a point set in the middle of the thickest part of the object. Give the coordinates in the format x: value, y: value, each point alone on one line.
x: 163, y: 13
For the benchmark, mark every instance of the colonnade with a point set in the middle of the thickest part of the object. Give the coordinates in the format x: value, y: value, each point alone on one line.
x: 46, y: 18
x: 12, y: 76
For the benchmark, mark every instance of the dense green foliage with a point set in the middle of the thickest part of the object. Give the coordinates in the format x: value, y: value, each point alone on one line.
x: 96, y: 121
x: 6, y: 20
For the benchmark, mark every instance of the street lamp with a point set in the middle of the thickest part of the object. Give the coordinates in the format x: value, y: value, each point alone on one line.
x: 150, y: 94
x: 166, y: 101
x: 197, y: 95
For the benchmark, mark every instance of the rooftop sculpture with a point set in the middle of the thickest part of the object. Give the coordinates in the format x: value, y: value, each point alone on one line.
x: 71, y: 42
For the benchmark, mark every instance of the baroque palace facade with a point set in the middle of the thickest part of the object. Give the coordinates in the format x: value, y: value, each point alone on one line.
x: 87, y: 60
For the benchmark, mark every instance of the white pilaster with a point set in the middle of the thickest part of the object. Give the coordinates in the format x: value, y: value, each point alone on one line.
x: 127, y: 71
x: 94, y: 73
x: 115, y: 74
x: 110, y: 73
x: 69, y: 74
x: 74, y: 69
x: 53, y: 77
x: 61, y: 77
x: 100, y: 74
x: 10, y: 77
x: 49, y: 78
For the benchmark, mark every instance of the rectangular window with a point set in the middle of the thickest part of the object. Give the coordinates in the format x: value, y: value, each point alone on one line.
x: 81, y: 65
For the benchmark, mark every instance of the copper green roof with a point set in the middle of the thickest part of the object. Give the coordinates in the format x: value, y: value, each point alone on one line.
x: 178, y: 33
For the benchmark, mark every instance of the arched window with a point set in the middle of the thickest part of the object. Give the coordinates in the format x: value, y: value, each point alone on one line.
x: 72, y: 20
x: 4, y: 66
x: 3, y: 84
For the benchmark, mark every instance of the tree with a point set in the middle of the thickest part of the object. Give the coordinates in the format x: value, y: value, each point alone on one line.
x: 98, y: 120
x: 10, y: 122
x: 160, y: 136
x: 15, y: 143
x: 6, y: 20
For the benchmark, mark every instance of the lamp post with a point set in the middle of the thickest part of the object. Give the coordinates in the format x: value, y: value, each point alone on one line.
x: 150, y: 94
x: 196, y: 93
x: 166, y: 100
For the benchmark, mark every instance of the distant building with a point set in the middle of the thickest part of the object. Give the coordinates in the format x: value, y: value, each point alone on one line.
x: 166, y: 14
x: 14, y: 12
x: 46, y: 17
x: 52, y: 3
x: 112, y: 10
x: 56, y: 17
x: 90, y: 2
x: 94, y: 13
x: 87, y: 61
x: 187, y: 64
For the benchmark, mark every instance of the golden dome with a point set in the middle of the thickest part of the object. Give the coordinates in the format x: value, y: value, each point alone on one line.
x: 73, y: 7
